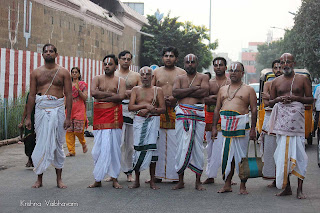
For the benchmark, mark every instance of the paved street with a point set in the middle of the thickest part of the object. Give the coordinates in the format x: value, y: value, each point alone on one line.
x: 16, y: 192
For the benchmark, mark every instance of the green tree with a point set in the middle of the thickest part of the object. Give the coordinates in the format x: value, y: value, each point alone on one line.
x: 304, y: 38
x: 187, y: 37
x: 303, y: 41
x: 267, y: 54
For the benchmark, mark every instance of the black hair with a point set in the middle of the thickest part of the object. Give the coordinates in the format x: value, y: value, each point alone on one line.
x: 48, y: 45
x: 123, y: 53
x: 77, y: 68
x: 209, y: 74
x: 170, y: 49
x: 111, y: 56
x: 220, y: 58
x: 274, y: 62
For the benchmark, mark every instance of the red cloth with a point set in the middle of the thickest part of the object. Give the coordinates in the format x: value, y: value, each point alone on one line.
x: 209, y: 111
x: 78, y: 112
x: 107, y: 116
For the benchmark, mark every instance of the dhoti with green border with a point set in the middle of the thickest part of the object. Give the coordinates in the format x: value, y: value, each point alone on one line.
x: 145, y: 133
x: 190, y: 128
x: 235, y: 130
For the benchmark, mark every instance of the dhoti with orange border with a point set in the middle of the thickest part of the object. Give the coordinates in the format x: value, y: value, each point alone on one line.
x: 106, y: 153
x: 287, y: 121
x: 167, y: 146
x: 190, y: 128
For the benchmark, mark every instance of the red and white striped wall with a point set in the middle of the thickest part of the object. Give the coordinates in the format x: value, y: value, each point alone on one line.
x: 16, y: 66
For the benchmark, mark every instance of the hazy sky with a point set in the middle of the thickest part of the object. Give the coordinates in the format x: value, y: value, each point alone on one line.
x: 234, y: 22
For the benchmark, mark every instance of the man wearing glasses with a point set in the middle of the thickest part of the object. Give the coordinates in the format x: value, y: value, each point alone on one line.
x: 132, y: 79
x: 233, y: 104
x: 289, y: 93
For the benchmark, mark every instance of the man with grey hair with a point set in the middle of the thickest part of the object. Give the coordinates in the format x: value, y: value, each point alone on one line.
x: 288, y: 95
x: 148, y: 103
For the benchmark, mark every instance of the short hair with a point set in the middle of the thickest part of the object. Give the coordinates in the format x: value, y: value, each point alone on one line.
x: 111, y: 56
x: 170, y: 49
x: 220, y: 58
x: 123, y: 53
x: 209, y: 74
x: 48, y: 45
x: 274, y: 62
x: 77, y: 68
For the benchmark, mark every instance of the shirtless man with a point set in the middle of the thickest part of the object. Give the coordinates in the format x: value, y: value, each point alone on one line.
x: 234, y: 101
x: 108, y: 91
x: 132, y: 79
x: 48, y: 86
x: 148, y: 102
x: 268, y: 139
x: 167, y: 143
x: 289, y: 93
x: 214, y: 147
x: 190, y: 90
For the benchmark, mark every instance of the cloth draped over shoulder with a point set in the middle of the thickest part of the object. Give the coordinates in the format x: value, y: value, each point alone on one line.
x: 107, y: 115
x: 235, y: 130
x: 145, y: 135
x: 190, y: 128
x: 50, y: 133
x: 168, y: 119
x: 288, y: 119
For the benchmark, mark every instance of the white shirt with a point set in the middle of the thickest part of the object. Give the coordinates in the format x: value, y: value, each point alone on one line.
x: 317, y: 97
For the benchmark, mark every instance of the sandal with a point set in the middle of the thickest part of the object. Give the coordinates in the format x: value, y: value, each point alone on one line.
x: 70, y: 155
x: 84, y: 148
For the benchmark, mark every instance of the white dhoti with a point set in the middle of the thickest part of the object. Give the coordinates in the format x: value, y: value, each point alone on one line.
x: 287, y: 121
x: 214, y: 152
x: 50, y: 134
x: 190, y: 127
x: 290, y: 158
x: 268, y: 146
x: 127, y: 139
x: 106, y: 153
x: 167, y: 148
x: 145, y: 141
x: 235, y: 129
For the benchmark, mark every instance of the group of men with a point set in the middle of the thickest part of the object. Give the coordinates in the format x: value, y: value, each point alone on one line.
x: 158, y: 120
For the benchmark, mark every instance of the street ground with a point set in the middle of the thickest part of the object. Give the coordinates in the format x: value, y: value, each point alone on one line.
x: 16, y: 192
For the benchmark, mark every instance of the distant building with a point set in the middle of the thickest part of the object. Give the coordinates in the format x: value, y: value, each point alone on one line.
x: 83, y: 31
x: 137, y: 6
x: 248, y: 58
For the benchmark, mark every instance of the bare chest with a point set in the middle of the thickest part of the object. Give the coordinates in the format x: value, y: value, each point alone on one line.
x: 108, y: 85
x: 46, y: 77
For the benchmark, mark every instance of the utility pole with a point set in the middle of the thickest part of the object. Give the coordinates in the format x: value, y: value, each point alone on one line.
x: 210, y: 23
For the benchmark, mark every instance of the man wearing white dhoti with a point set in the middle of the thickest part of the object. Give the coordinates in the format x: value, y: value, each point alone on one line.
x: 148, y: 102
x: 51, y: 83
x: 167, y: 142
x: 267, y: 139
x: 190, y: 90
x: 108, y: 91
x: 132, y: 79
x: 214, y: 145
x: 289, y: 93
x: 234, y: 106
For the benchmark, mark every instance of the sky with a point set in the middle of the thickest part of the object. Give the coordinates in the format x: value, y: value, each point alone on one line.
x: 233, y: 22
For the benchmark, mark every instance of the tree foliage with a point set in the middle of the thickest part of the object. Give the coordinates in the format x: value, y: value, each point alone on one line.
x: 303, y: 41
x: 188, y: 38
